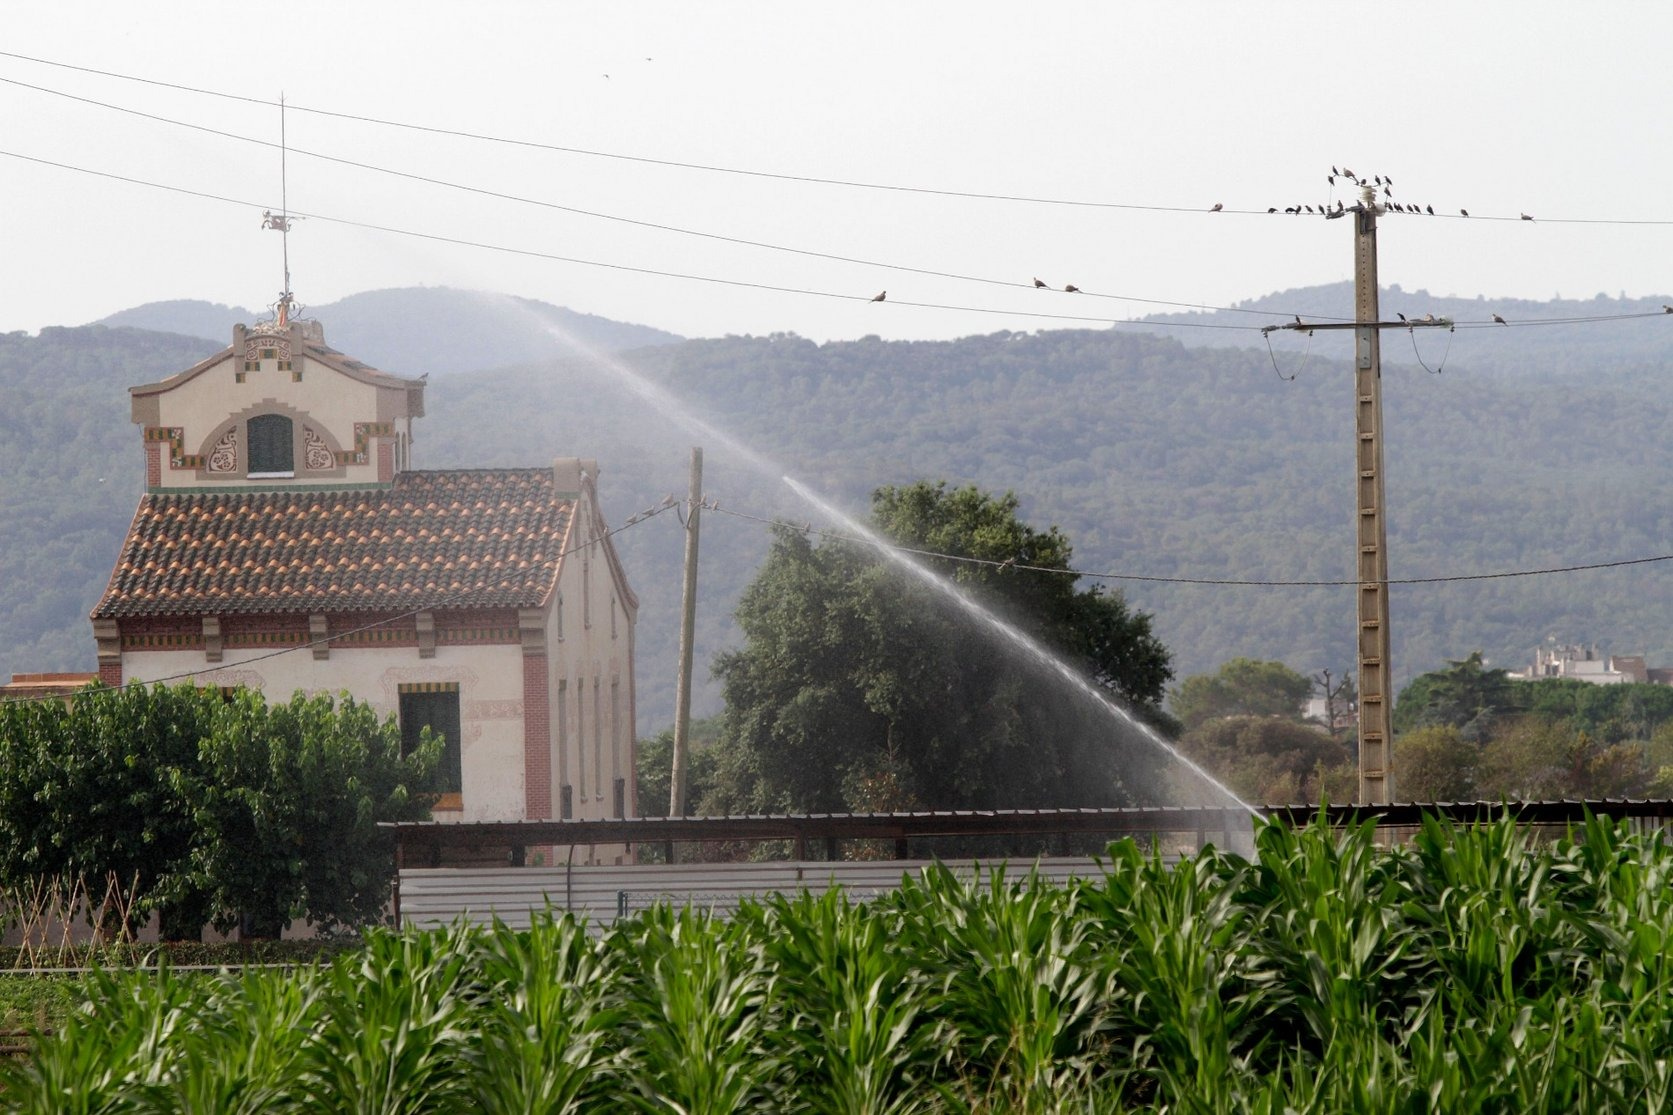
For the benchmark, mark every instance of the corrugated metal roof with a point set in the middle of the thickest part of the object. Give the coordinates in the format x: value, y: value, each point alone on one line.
x: 985, y: 822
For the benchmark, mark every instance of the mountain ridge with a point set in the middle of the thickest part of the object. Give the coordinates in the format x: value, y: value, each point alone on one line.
x: 419, y: 330
x: 1160, y: 457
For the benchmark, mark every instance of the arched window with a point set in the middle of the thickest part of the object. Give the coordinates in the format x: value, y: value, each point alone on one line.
x: 271, y: 449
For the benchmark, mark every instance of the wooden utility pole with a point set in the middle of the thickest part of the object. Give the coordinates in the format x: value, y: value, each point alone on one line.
x: 688, y: 625
x: 1376, y: 690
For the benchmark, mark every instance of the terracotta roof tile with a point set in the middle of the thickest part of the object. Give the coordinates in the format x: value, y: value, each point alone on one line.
x: 479, y: 537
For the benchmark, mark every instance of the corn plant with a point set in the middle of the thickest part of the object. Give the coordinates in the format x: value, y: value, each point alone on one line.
x: 1019, y: 996
x: 396, y: 1025
x: 1478, y: 969
x: 693, y: 1027
x: 1188, y: 994
x: 241, y: 1052
x: 848, y: 1006
x: 542, y: 1041
x: 113, y: 1055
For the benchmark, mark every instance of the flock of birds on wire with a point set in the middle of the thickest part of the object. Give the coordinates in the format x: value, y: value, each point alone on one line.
x: 1377, y: 181
x: 1382, y: 182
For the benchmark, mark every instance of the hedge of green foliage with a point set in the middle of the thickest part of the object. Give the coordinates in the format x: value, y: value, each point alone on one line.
x: 1474, y: 969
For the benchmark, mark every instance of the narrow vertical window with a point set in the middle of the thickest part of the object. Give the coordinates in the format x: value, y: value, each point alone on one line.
x: 581, y: 739
x: 586, y: 588
x: 563, y: 734
x: 598, y: 744
x: 615, y: 728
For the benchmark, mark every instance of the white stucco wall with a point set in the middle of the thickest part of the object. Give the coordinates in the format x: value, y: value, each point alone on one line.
x: 490, y: 682
x: 590, y: 641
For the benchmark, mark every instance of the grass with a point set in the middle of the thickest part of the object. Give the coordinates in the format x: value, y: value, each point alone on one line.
x: 1475, y: 969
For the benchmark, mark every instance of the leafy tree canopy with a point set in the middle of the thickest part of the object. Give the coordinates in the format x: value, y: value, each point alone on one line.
x: 1269, y: 759
x: 1241, y: 687
x: 209, y: 809
x: 1465, y: 695
x: 860, y: 687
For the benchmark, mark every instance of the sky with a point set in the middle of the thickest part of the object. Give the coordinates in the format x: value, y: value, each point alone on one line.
x: 1144, y: 116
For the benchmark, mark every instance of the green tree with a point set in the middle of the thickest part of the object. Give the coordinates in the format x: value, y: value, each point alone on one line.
x: 288, y: 808
x: 203, y: 808
x: 1241, y: 687
x: 861, y: 687
x: 1435, y: 763
x: 98, y: 791
x: 1271, y: 760
x: 655, y: 766
x: 1466, y: 695
x: 1533, y: 757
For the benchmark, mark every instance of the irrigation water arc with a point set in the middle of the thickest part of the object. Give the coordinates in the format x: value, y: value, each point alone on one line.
x: 677, y: 411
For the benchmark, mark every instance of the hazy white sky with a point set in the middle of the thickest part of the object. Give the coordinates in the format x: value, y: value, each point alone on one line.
x: 1554, y: 109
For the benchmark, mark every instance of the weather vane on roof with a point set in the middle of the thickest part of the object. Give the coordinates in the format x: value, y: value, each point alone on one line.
x: 286, y: 306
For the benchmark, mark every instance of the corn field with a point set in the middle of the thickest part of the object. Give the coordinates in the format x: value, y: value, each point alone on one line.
x: 1476, y: 968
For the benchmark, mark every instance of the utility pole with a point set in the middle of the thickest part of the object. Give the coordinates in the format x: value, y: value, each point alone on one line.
x: 1376, y: 696
x: 688, y: 625
x: 1376, y: 741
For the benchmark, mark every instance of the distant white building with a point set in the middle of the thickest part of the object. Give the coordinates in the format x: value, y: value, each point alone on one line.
x: 1585, y: 663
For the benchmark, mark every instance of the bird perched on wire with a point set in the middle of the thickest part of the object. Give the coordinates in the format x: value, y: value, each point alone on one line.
x: 1667, y: 309
x: 1525, y: 217
x: 1429, y: 209
x: 1500, y: 320
x: 1463, y: 212
x: 1071, y: 288
x: 880, y: 296
x: 1400, y: 315
x: 1038, y: 282
x: 1216, y: 207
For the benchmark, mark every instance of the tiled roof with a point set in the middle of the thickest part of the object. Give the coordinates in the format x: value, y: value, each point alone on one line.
x: 455, y: 539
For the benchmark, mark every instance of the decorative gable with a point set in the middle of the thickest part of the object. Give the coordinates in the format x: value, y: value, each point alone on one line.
x: 277, y: 408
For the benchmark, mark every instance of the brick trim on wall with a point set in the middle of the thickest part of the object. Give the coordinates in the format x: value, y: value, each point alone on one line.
x: 537, y: 740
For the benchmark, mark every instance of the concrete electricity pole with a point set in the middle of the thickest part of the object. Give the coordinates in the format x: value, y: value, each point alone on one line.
x: 688, y: 625
x: 1376, y: 689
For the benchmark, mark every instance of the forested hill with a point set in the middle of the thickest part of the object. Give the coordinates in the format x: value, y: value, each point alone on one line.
x: 71, y: 471
x: 1160, y: 459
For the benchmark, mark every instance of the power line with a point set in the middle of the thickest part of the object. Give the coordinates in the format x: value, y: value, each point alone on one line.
x: 1009, y: 564
x: 636, y: 222
x: 771, y: 175
x: 718, y: 280
x: 531, y: 253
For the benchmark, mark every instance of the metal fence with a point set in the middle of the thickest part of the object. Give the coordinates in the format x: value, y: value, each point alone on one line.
x: 601, y: 894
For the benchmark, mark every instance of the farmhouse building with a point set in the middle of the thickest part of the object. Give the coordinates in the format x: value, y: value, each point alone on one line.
x: 284, y: 543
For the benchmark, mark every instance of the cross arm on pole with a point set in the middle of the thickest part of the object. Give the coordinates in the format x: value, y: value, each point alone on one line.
x: 1309, y: 326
